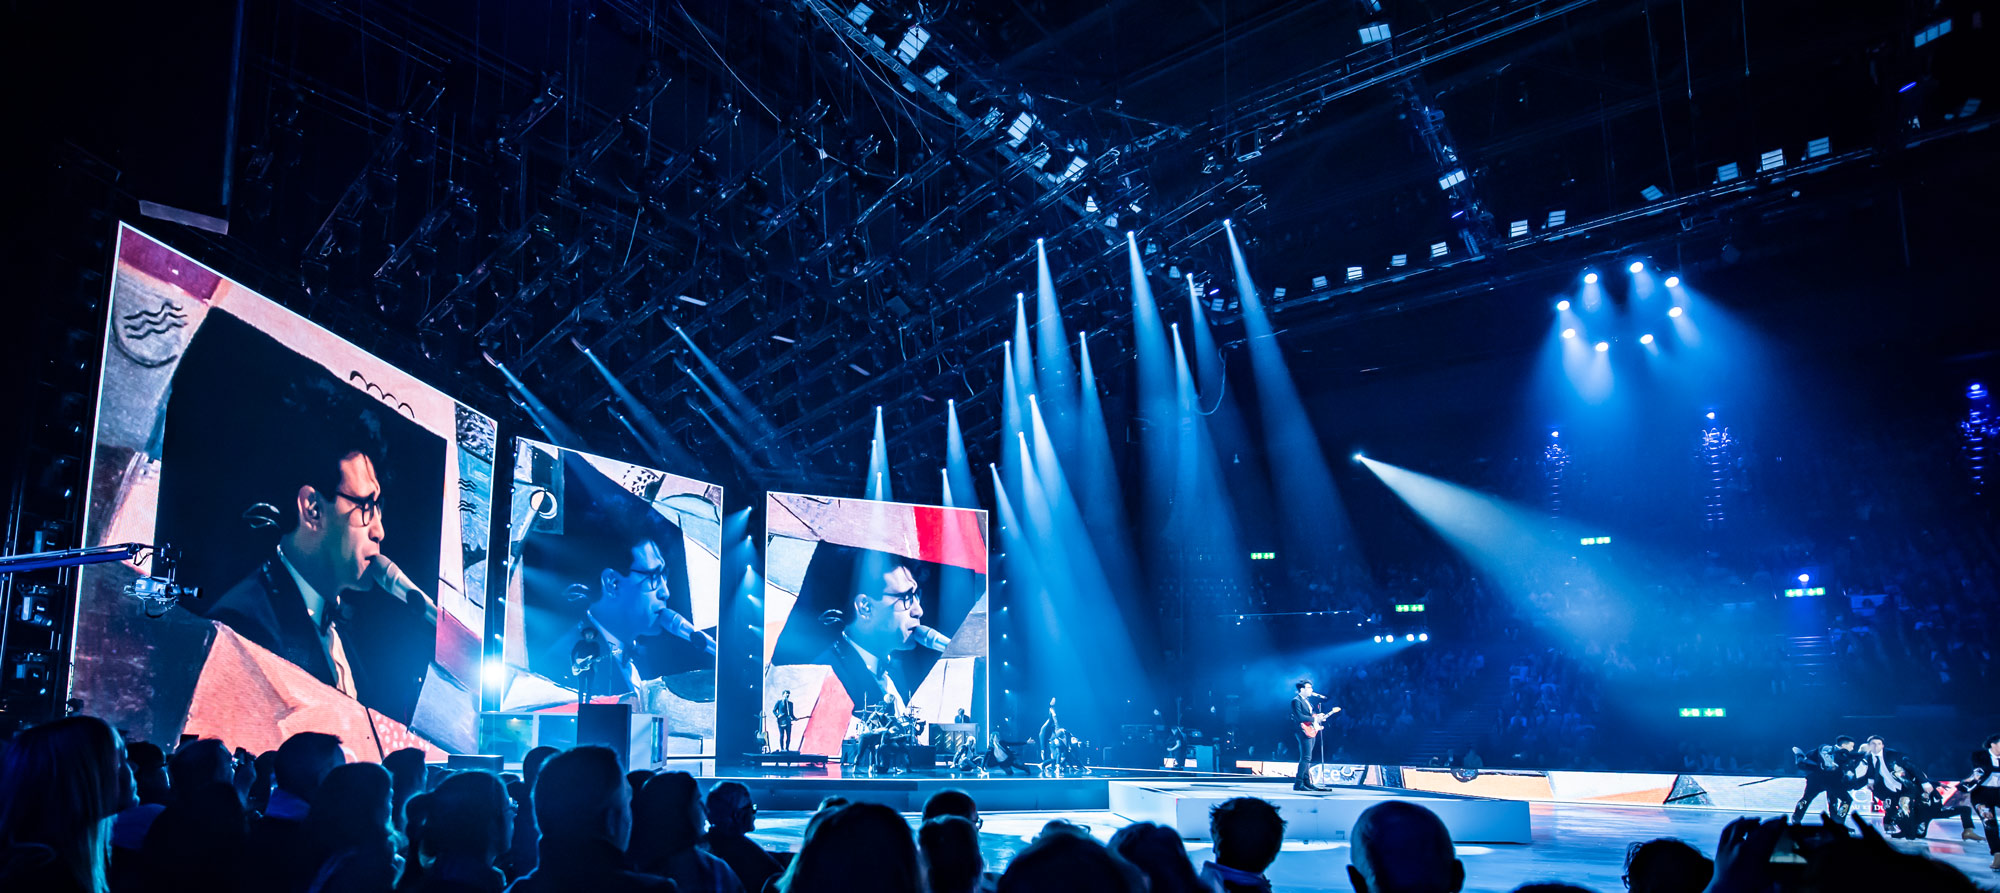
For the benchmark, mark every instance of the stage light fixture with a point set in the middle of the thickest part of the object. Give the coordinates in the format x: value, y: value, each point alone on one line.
x: 1673, y: 282
x: 1819, y: 148
x: 1557, y: 218
x: 1354, y: 274
x: 1562, y: 306
x: 1569, y: 333
x: 936, y: 75
x: 1929, y: 34
x: 1652, y: 193
x: 1373, y: 34
x: 1423, y: 637
x: 1399, y: 260
x: 859, y: 15
x: 1970, y: 108
x: 1517, y: 229
x: 1409, y: 637
x: 1603, y: 346
x: 1727, y: 172
x: 1676, y: 312
x: 913, y: 43
x: 1771, y: 160
x: 496, y: 672
x: 1590, y: 278
x: 1378, y: 640
x: 1017, y: 132
x: 1278, y: 292
x: 1711, y: 415
x: 1646, y: 338
x: 1357, y: 457
x: 783, y: 340
x: 1637, y: 267
x: 1440, y: 249
x: 1451, y: 179
x: 1804, y: 579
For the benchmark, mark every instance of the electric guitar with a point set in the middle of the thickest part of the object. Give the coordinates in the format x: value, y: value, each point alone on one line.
x: 1312, y: 729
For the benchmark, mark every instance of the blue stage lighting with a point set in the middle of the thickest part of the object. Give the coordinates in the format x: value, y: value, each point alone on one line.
x: 1676, y: 312
x: 1590, y: 278
x: 1555, y: 434
x: 1603, y: 346
x: 1357, y: 457
x: 1569, y: 333
x: 1637, y: 267
x: 1562, y: 305
x: 1423, y: 637
x: 1804, y: 579
x: 1378, y: 640
x: 1711, y: 415
x: 1646, y: 339
x: 1409, y: 637
x: 1673, y: 282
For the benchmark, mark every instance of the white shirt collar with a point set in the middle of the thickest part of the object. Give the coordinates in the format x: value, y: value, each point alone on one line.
x: 315, y: 603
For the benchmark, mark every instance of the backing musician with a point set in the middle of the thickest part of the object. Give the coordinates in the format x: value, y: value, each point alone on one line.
x: 1309, y: 727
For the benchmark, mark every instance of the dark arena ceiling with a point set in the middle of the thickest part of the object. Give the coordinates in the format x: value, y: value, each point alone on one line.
x: 837, y: 203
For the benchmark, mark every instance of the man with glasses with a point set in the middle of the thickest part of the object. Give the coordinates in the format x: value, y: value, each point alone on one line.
x: 626, y: 600
x: 871, y: 602
x: 302, y: 603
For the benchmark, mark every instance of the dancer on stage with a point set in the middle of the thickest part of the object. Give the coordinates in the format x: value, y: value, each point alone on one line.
x: 1834, y: 769
x: 1985, y: 783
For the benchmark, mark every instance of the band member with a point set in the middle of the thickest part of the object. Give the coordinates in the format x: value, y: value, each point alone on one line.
x: 319, y: 601
x: 879, y: 612
x: 782, y: 712
x: 1985, y: 784
x: 1833, y: 769
x: 1303, y: 717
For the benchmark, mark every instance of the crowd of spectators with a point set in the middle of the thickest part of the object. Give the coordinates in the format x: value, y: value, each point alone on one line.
x: 82, y: 812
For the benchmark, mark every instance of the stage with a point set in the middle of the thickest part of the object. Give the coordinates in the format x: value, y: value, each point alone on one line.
x: 1578, y: 843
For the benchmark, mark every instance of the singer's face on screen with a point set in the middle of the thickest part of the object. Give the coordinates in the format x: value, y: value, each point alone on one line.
x: 884, y: 620
x: 635, y: 596
x: 343, y: 529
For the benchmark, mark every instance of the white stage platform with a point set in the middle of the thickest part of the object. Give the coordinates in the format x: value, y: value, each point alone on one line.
x: 1184, y: 806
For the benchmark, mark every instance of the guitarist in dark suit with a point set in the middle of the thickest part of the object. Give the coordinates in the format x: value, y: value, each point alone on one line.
x: 1308, y: 729
x: 782, y: 712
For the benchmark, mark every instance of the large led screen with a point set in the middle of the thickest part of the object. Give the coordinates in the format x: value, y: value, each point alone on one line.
x: 871, y: 603
x: 329, y: 513
x: 613, y: 585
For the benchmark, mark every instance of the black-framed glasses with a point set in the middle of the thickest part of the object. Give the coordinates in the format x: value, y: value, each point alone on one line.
x: 365, y: 512
x: 651, y: 579
x: 905, y: 600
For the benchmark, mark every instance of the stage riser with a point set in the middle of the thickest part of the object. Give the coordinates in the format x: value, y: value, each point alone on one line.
x: 1308, y: 816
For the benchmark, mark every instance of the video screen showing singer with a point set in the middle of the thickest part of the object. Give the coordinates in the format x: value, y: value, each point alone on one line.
x: 294, y: 497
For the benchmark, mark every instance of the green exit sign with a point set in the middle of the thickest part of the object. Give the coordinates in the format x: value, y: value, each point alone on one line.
x: 1594, y: 541
x: 1805, y: 593
x: 1409, y: 609
x: 1263, y: 556
x: 1704, y: 712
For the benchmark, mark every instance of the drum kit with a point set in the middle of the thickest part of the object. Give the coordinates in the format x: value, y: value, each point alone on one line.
x: 888, y: 738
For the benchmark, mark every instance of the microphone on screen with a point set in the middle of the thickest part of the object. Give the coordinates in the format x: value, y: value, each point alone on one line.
x: 673, y: 624
x: 930, y: 638
x: 393, y: 581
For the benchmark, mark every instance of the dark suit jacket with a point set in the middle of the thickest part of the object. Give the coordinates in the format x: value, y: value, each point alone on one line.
x: 863, y: 688
x: 389, y: 644
x: 782, y: 712
x: 1302, y: 712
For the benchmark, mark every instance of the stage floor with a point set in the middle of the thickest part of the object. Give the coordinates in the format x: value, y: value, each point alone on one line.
x: 1575, y: 843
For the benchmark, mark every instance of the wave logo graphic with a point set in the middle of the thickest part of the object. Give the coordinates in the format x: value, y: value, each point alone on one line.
x: 142, y: 324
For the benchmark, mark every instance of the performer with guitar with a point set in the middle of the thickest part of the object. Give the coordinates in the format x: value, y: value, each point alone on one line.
x: 782, y: 712
x: 1310, y: 723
